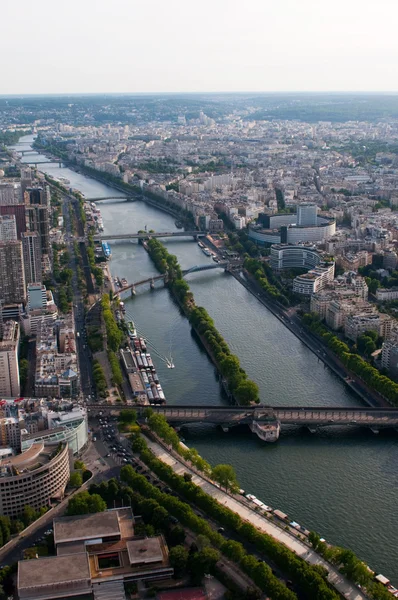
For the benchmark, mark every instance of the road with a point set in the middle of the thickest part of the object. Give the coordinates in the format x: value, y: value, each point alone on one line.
x: 345, y: 587
x: 84, y: 354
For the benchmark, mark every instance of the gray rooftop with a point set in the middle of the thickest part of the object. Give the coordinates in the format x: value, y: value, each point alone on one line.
x: 86, y: 527
x: 147, y: 550
x: 53, y: 570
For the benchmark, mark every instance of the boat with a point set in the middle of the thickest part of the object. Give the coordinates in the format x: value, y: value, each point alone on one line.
x: 144, y: 360
x: 106, y: 249
x: 170, y: 365
x: 214, y: 257
x: 143, y: 345
x: 132, y: 330
x: 268, y: 432
x: 179, y: 224
x: 124, y: 281
x: 122, y: 307
x: 149, y: 361
x: 160, y: 392
x: 206, y: 251
x: 200, y: 245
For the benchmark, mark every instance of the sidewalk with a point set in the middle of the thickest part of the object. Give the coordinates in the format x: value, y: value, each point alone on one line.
x: 346, y: 588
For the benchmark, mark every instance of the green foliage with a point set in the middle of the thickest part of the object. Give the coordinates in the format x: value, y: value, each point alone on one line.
x: 99, y: 379
x: 84, y: 503
x: 94, y: 339
x: 127, y: 416
x: 266, y: 280
x: 113, y: 333
x: 79, y: 465
x: 23, y: 371
x: 354, y: 363
x: 225, y: 475
x: 179, y: 560
x: 117, y: 375
x: 76, y: 479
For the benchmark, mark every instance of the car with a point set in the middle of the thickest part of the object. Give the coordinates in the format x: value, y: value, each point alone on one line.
x: 221, y: 530
x: 107, y: 455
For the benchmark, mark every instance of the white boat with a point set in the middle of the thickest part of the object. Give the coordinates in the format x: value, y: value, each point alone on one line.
x: 268, y: 432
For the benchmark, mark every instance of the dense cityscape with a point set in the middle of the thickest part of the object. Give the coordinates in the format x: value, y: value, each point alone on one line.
x: 136, y: 234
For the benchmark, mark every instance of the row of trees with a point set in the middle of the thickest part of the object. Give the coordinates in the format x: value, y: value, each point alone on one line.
x: 259, y: 572
x: 311, y: 579
x: 222, y: 474
x: 84, y: 503
x: 9, y: 527
x: 266, y: 279
x: 113, y: 332
x: 99, y: 379
x: 117, y: 376
x: 351, y: 566
x: 95, y: 269
x: 357, y: 365
x: 244, y: 390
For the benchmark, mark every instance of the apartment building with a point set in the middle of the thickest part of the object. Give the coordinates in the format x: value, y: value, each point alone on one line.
x: 357, y: 324
x: 12, y: 280
x: 31, y: 249
x: 9, y: 369
x: 8, y: 228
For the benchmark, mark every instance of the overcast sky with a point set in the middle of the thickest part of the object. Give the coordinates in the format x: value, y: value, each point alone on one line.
x: 55, y: 46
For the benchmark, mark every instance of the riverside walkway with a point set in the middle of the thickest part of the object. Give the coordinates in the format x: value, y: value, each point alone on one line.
x: 346, y: 588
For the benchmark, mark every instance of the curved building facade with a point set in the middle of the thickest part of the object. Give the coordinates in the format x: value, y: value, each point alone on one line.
x: 33, y: 478
x: 285, y: 256
x: 74, y: 433
x: 293, y: 234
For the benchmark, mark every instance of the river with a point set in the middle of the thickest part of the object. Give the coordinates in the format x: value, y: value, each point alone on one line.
x: 342, y: 484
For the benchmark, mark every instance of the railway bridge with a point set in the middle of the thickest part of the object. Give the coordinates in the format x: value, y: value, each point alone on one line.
x: 144, y: 235
x: 261, y: 415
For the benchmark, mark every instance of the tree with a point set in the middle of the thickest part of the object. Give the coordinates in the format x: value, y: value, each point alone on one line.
x: 247, y: 392
x: 225, y: 475
x: 84, y: 503
x: 178, y: 559
x: 29, y: 515
x: 76, y: 479
x: 203, y: 562
x: 79, y: 465
x: 176, y: 536
x: 127, y: 416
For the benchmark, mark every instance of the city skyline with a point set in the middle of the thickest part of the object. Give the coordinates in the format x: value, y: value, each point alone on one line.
x: 223, y: 47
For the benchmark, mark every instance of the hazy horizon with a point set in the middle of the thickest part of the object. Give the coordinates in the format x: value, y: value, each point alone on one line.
x: 224, y: 46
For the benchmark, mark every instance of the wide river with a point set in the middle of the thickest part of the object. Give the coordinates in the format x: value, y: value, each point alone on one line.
x: 341, y: 484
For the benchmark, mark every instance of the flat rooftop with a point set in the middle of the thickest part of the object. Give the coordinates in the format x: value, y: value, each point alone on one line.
x: 86, y: 527
x: 147, y: 550
x: 54, y: 570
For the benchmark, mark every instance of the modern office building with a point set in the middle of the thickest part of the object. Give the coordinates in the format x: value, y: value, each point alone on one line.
x: 8, y: 228
x: 96, y: 555
x: 37, y: 296
x: 315, y: 280
x: 12, y: 280
x: 34, y: 478
x: 286, y: 256
x: 305, y: 226
x: 61, y: 427
x: 31, y: 250
x: 9, y: 369
x: 307, y: 214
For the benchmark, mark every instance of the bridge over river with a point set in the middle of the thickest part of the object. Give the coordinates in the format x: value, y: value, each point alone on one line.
x: 144, y: 235
x: 261, y: 417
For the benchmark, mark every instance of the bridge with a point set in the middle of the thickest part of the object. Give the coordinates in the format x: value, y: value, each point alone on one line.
x: 230, y: 416
x: 36, y: 163
x: 102, y: 198
x: 195, y: 269
x: 147, y: 234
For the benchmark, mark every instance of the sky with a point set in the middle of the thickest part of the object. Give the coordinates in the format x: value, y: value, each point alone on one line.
x: 134, y: 46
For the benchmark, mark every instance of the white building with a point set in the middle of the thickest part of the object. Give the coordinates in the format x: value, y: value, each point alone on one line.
x: 8, y: 228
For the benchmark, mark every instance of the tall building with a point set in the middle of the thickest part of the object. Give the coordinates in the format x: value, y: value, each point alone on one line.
x: 10, y: 433
x: 31, y: 249
x: 8, y: 228
x: 307, y: 214
x: 12, y: 280
x: 9, y: 370
x: 38, y: 219
x: 10, y: 193
x: 18, y: 210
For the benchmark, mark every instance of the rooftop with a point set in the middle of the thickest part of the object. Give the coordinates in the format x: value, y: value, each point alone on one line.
x: 54, y: 570
x: 86, y: 527
x: 147, y: 550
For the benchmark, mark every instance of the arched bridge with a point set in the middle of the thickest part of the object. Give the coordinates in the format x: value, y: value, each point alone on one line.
x: 147, y: 234
x: 229, y: 416
x: 195, y: 269
x: 102, y: 198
